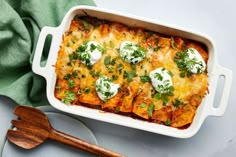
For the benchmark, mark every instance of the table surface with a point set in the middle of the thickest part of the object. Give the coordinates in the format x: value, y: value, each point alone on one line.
x: 217, y: 136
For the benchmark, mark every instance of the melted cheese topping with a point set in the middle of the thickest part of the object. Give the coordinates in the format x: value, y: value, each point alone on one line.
x: 76, y: 82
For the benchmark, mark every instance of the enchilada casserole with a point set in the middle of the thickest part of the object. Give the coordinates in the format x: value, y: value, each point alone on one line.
x: 131, y: 71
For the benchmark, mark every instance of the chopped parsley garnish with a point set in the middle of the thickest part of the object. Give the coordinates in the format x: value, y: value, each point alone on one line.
x: 114, y: 77
x: 140, y: 34
x: 83, y: 55
x: 71, y: 83
x: 70, y: 32
x: 173, y: 44
x: 167, y: 122
x: 75, y: 74
x: 165, y: 99
x: 92, y: 47
x: 156, y: 48
x: 177, y: 102
x: 164, y: 96
x: 119, y: 67
x: 151, y: 109
x: 180, y: 60
x: 68, y: 44
x: 145, y: 78
x: 104, y: 45
x: 157, y: 96
x: 158, y: 76
x: 133, y: 66
x: 58, y: 87
x: 170, y: 73
x: 143, y: 105
x: 86, y: 90
x: 86, y: 25
x: 107, y: 61
x: 94, y: 74
x: 77, y: 18
x: 74, y: 56
x: 67, y: 76
x: 117, y: 109
x: 112, y: 45
x: 129, y: 75
x: 68, y: 97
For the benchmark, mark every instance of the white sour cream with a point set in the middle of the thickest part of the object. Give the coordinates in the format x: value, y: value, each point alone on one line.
x: 91, y: 54
x: 131, y: 53
x: 105, y: 88
x: 195, y: 62
x: 161, y: 80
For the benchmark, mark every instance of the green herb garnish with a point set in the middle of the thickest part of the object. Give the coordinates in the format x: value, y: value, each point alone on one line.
x: 182, y: 63
x: 71, y: 83
x: 86, y: 25
x: 177, y: 102
x: 165, y: 99
x: 108, y: 61
x: 164, y: 96
x: 145, y: 78
x: 143, y: 105
x: 68, y: 97
x: 119, y: 68
x: 74, y: 56
x: 187, y: 63
x: 58, y: 87
x: 94, y: 74
x: 129, y: 75
x: 156, y: 48
x: 151, y: 109
x: 173, y: 44
x: 86, y: 90
x: 170, y: 73
x: 114, y: 77
x: 157, y: 96
x: 167, y: 122
x: 67, y: 76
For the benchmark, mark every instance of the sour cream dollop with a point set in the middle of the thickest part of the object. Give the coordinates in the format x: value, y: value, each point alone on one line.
x: 132, y: 53
x: 90, y: 52
x: 161, y: 80
x: 195, y: 63
x: 105, y: 88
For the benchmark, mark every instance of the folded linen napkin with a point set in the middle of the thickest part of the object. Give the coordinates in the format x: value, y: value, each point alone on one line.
x: 20, y: 25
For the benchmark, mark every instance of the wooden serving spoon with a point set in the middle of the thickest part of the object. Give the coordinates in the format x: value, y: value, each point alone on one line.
x: 34, y: 128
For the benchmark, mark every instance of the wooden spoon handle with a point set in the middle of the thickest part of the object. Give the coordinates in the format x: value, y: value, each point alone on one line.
x: 81, y: 144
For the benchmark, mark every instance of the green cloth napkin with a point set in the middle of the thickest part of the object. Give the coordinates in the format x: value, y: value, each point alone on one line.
x: 20, y: 25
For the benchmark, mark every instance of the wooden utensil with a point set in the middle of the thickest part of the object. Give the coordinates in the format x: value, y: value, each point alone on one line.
x: 34, y: 128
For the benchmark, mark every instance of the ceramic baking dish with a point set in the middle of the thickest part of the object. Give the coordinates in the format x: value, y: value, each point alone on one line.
x: 205, y: 109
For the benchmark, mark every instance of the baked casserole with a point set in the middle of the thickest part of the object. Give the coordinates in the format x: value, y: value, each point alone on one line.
x: 131, y: 71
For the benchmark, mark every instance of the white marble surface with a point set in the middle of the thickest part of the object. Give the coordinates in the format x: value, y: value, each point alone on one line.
x: 217, y: 136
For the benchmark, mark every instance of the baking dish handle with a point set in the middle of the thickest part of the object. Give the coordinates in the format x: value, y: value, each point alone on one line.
x: 227, y: 74
x: 36, y: 67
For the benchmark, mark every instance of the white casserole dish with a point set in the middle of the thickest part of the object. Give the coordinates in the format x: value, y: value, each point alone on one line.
x: 205, y: 109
